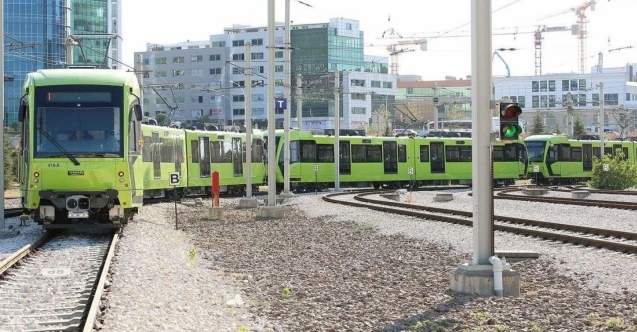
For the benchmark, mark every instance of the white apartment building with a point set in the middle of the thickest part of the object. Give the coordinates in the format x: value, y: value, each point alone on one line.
x: 549, y: 96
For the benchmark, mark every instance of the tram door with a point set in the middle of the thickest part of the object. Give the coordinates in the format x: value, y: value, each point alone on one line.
x: 156, y: 155
x: 587, y: 156
x: 345, y: 167
x: 204, y: 157
x: 237, y: 156
x: 390, y: 157
x: 437, y: 150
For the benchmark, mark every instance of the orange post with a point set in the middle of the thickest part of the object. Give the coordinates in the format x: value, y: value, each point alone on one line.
x: 215, y: 189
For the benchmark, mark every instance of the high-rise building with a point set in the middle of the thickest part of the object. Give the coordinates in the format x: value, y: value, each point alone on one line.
x: 206, y: 80
x: 36, y: 33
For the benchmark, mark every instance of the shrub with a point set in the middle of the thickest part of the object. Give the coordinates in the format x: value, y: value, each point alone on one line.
x: 10, y: 162
x: 620, y: 175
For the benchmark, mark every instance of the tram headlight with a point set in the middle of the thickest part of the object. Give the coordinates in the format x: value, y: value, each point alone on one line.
x: 71, y: 203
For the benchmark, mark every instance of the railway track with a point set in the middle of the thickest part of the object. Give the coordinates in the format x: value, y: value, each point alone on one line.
x: 55, y: 283
x: 507, y: 194
x: 588, y: 236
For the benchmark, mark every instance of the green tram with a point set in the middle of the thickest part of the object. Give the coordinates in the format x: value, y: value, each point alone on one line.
x: 195, y: 155
x: 555, y: 159
x: 80, y: 153
x: 392, y: 162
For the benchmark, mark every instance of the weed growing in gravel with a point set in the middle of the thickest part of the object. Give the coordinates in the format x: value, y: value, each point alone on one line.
x: 616, y: 324
x: 366, y: 226
x: 192, y: 257
x: 500, y: 328
x: 243, y: 329
x: 286, y: 293
x: 480, y: 315
x: 535, y: 327
x: 428, y: 325
x: 231, y: 312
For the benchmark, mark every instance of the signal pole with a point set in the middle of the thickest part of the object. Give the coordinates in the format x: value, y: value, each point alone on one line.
x: 478, y: 276
x: 337, y: 132
x: 299, y: 101
x: 287, y: 82
x: 271, y: 211
x: 601, y: 120
x: 248, y: 201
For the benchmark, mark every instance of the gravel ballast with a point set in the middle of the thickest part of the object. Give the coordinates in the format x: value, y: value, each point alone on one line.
x: 327, y: 267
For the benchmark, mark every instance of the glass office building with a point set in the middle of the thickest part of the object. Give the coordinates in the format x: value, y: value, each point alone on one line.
x: 34, y: 38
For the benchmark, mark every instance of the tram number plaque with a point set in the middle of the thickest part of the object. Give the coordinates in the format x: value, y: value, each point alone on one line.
x: 536, y: 169
x: 315, y: 168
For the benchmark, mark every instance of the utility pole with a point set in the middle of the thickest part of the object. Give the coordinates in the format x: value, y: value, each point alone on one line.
x: 569, y: 113
x: 299, y: 101
x: 337, y: 132
x: 435, y: 100
x: 270, y: 107
x: 287, y: 82
x: 601, y: 120
x: 2, y: 175
x: 248, y: 201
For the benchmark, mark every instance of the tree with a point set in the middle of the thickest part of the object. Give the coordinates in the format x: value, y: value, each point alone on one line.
x: 384, y: 119
x: 557, y: 129
x: 578, y: 127
x: 538, y: 124
x: 160, y: 117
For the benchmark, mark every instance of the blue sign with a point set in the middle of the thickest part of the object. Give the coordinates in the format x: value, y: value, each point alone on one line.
x: 280, y: 104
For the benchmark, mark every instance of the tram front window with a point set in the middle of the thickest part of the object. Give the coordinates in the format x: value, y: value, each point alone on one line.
x: 89, y: 130
x: 535, y: 150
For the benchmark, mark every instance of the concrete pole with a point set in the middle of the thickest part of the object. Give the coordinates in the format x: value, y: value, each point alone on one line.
x: 299, y: 101
x: 248, y: 122
x: 287, y: 82
x: 435, y: 106
x: 2, y: 175
x: 271, y: 116
x: 481, y: 116
x: 337, y: 131
x: 601, y: 120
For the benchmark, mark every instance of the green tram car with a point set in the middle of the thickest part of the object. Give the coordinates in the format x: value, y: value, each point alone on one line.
x: 392, y: 162
x: 79, y: 156
x: 555, y: 159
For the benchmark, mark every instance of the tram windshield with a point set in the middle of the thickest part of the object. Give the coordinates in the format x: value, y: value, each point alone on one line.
x: 535, y: 151
x: 79, y: 131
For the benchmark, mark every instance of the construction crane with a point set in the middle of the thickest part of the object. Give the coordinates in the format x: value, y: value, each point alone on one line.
x: 582, y: 32
x: 400, y: 47
x: 538, y: 43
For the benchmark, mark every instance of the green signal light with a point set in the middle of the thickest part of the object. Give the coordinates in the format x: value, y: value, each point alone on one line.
x: 511, y: 131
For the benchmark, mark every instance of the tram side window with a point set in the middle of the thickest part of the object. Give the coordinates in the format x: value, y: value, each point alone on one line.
x: 402, y: 153
x: 258, y: 150
x: 358, y: 153
x: 167, y: 150
x: 576, y: 154
x: 565, y: 153
x: 194, y: 145
x: 424, y: 153
x: 294, y: 152
x: 308, y: 151
x: 458, y: 153
x: 374, y: 153
x: 325, y: 153
x: 367, y: 153
x: 226, y: 152
x: 147, y: 152
x: 216, y: 152
x: 498, y: 153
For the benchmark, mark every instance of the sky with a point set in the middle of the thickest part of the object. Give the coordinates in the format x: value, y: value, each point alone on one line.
x: 445, y: 24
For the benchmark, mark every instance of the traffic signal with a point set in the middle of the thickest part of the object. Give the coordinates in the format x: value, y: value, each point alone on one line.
x: 509, y: 123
